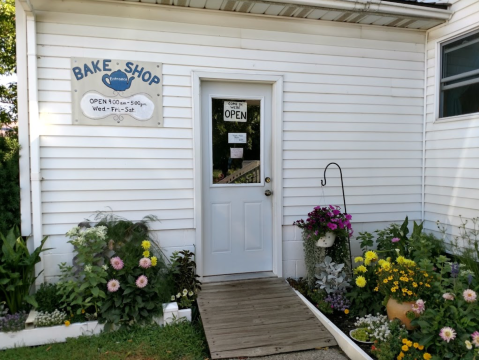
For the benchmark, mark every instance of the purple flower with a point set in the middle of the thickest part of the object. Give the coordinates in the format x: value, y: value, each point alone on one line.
x: 348, y: 217
x: 336, y: 212
x: 454, y: 270
x: 395, y: 240
x: 332, y: 226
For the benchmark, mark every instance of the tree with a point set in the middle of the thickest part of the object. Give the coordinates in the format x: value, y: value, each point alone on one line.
x: 9, y: 147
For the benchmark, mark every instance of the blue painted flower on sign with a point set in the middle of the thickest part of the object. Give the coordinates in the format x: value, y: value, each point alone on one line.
x: 117, y: 80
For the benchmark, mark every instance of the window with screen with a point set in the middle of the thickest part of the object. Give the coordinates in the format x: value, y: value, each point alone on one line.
x: 460, y: 76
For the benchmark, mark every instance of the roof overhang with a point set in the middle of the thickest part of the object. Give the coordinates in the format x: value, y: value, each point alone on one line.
x: 366, y: 12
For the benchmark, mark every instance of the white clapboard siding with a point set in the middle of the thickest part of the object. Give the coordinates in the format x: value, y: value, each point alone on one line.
x: 452, y: 147
x: 352, y: 94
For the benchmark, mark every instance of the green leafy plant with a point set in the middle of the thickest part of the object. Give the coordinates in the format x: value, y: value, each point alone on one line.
x: 451, y: 316
x: 185, y: 279
x: 47, y: 297
x: 17, y: 269
x: 465, y: 246
x: 395, y: 241
x: 137, y: 287
x: 81, y: 286
x: 318, y: 299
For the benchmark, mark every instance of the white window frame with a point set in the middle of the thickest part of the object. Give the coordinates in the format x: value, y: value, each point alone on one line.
x: 438, y: 72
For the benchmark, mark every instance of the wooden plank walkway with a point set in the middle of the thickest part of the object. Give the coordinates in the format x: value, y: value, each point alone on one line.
x: 257, y: 318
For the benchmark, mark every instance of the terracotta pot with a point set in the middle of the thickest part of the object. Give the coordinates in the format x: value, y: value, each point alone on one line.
x: 327, y: 240
x: 398, y: 310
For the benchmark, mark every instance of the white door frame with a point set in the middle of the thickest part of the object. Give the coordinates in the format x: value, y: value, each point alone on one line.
x: 276, y: 160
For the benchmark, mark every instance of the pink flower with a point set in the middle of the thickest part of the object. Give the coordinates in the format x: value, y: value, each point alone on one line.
x: 117, y: 263
x: 348, y: 217
x: 145, y: 263
x: 469, y: 295
x: 395, y: 240
x: 448, y: 296
x: 475, y: 338
x: 447, y: 334
x: 419, y: 307
x: 142, y: 281
x: 113, y: 285
x: 332, y: 226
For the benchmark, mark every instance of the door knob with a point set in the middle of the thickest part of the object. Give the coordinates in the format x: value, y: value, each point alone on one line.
x: 268, y: 192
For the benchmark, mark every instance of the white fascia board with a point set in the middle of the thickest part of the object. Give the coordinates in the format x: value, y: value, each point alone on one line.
x: 374, y: 6
x: 367, y: 6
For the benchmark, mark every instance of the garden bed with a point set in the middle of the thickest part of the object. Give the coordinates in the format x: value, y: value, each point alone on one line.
x: 57, y: 334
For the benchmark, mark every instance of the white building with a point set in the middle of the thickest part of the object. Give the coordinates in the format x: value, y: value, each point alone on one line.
x: 354, y: 82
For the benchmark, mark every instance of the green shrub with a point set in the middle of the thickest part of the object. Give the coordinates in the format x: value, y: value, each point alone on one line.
x: 17, y: 269
x: 9, y: 178
x: 47, y: 298
x: 185, y: 281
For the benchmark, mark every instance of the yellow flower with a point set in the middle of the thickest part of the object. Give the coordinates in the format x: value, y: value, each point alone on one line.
x: 371, y: 255
x: 361, y: 268
x: 67, y: 323
x: 82, y: 311
x: 367, y: 262
x: 376, y: 289
x: 358, y: 259
x: 416, y: 345
x: 427, y: 356
x: 404, y: 348
x: 146, y: 253
x: 409, y: 343
x: 409, y: 292
x: 154, y: 261
x: 386, y: 265
x: 346, y: 311
x: 420, y: 347
x: 400, y: 260
x: 361, y: 281
x: 381, y: 262
x: 400, y: 356
x: 404, y: 341
x: 145, y: 244
x: 414, y: 284
x: 385, y: 281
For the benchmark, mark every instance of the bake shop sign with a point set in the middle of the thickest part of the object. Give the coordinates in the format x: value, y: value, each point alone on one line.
x: 117, y: 92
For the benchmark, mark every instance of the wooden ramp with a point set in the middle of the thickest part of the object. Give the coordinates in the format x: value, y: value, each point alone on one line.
x: 256, y: 318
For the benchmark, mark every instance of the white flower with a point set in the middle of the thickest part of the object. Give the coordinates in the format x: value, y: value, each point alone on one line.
x: 468, y: 344
x: 190, y: 293
x: 105, y: 267
x: 178, y: 295
x: 185, y: 292
x: 87, y: 268
x: 172, y: 297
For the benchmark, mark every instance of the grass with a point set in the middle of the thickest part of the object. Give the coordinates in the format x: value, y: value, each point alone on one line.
x: 182, y: 341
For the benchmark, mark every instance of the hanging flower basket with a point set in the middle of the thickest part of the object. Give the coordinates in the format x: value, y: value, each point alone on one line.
x: 327, y: 240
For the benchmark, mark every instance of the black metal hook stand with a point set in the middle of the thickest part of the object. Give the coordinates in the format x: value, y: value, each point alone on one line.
x: 344, y: 202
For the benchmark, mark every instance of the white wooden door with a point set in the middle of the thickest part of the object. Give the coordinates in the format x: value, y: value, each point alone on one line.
x: 236, y: 170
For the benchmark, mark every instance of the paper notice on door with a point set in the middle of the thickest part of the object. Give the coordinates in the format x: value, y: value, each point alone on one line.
x: 236, y: 153
x: 236, y: 138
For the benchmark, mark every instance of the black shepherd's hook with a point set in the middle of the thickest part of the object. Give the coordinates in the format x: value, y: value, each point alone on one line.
x: 344, y: 202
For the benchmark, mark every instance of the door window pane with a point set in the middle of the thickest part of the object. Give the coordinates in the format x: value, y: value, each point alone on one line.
x: 236, y: 141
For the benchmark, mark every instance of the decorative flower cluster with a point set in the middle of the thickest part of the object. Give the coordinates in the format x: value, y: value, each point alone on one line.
x: 402, y: 280
x: 370, y: 257
x: 410, y: 350
x: 50, y: 319
x: 13, y: 322
x: 324, y: 219
x: 145, y: 263
x: 80, y: 236
x: 377, y: 326
x: 338, y: 301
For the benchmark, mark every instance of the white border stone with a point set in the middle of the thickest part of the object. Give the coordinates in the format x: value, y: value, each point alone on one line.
x: 350, y: 348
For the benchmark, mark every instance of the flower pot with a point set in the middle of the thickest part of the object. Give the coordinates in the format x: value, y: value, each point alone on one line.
x: 327, y: 240
x: 399, y: 311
